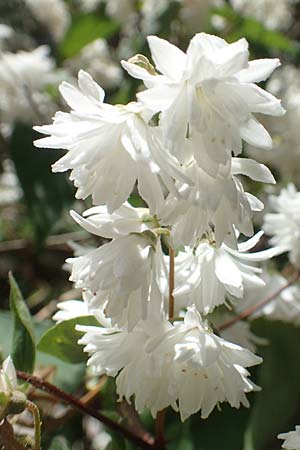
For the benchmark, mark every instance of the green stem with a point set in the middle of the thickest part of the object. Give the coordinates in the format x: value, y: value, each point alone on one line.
x: 37, y: 423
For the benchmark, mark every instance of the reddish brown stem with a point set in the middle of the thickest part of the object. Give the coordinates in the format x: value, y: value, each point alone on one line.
x: 159, y: 430
x: 145, y: 442
x: 248, y: 312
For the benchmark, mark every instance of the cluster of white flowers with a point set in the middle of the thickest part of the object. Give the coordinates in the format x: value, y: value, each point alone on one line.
x: 23, y: 78
x: 180, y: 143
x: 284, y: 223
x: 53, y: 14
x: 272, y: 13
x: 284, y: 83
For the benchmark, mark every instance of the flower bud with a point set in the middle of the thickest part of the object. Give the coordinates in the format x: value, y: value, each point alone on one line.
x: 142, y: 61
x: 12, y: 403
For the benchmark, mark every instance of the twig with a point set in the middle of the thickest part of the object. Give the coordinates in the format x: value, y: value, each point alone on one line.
x: 159, y: 430
x: 133, y: 419
x: 76, y: 403
x: 7, y: 437
x: 51, y: 241
x: 248, y: 312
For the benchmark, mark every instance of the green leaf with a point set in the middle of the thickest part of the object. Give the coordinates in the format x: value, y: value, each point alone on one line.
x: 46, y: 195
x: 66, y: 376
x: 85, y: 29
x: 61, y: 340
x: 278, y: 376
x: 23, y: 349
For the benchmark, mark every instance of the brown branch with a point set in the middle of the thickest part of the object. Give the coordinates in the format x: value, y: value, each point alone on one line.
x: 133, y: 419
x: 160, y: 430
x: 145, y: 443
x: 248, y: 312
x: 51, y: 241
x: 7, y: 437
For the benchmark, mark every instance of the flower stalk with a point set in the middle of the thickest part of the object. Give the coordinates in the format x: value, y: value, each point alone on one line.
x: 37, y: 423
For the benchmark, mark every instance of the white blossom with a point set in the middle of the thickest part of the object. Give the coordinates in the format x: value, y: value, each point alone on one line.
x: 207, y: 273
x: 118, y: 275
x: 291, y: 439
x: 54, y: 14
x: 70, y: 309
x: 284, y: 83
x: 208, y: 94
x: 283, y: 225
x: 182, y: 365
x: 23, y: 77
x: 217, y: 202
x: 272, y: 13
x: 10, y: 190
x: 110, y: 147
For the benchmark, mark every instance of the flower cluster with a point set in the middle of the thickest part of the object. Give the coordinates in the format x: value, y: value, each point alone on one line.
x: 179, y: 145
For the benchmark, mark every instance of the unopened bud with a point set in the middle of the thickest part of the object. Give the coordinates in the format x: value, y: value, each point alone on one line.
x: 142, y: 61
x: 12, y: 403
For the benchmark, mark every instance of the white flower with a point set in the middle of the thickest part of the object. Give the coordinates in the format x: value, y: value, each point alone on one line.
x: 118, y: 275
x: 23, y: 77
x: 207, y: 273
x: 182, y: 365
x: 110, y: 147
x: 53, y: 14
x: 284, y: 223
x: 284, y: 83
x: 208, y: 93
x: 273, y: 14
x: 118, y: 9
x: 71, y: 309
x: 8, y: 377
x: 291, y: 439
x: 209, y: 369
x: 89, y: 5
x: 121, y: 222
x: 10, y: 190
x: 285, y: 306
x: 214, y: 202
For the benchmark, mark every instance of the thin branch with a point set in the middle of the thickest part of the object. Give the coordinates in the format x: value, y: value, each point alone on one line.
x: 160, y: 430
x: 133, y: 419
x: 248, y: 312
x: 145, y: 443
x: 7, y: 437
x: 51, y: 241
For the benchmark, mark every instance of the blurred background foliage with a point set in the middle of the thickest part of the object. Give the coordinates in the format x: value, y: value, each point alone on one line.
x: 35, y: 226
